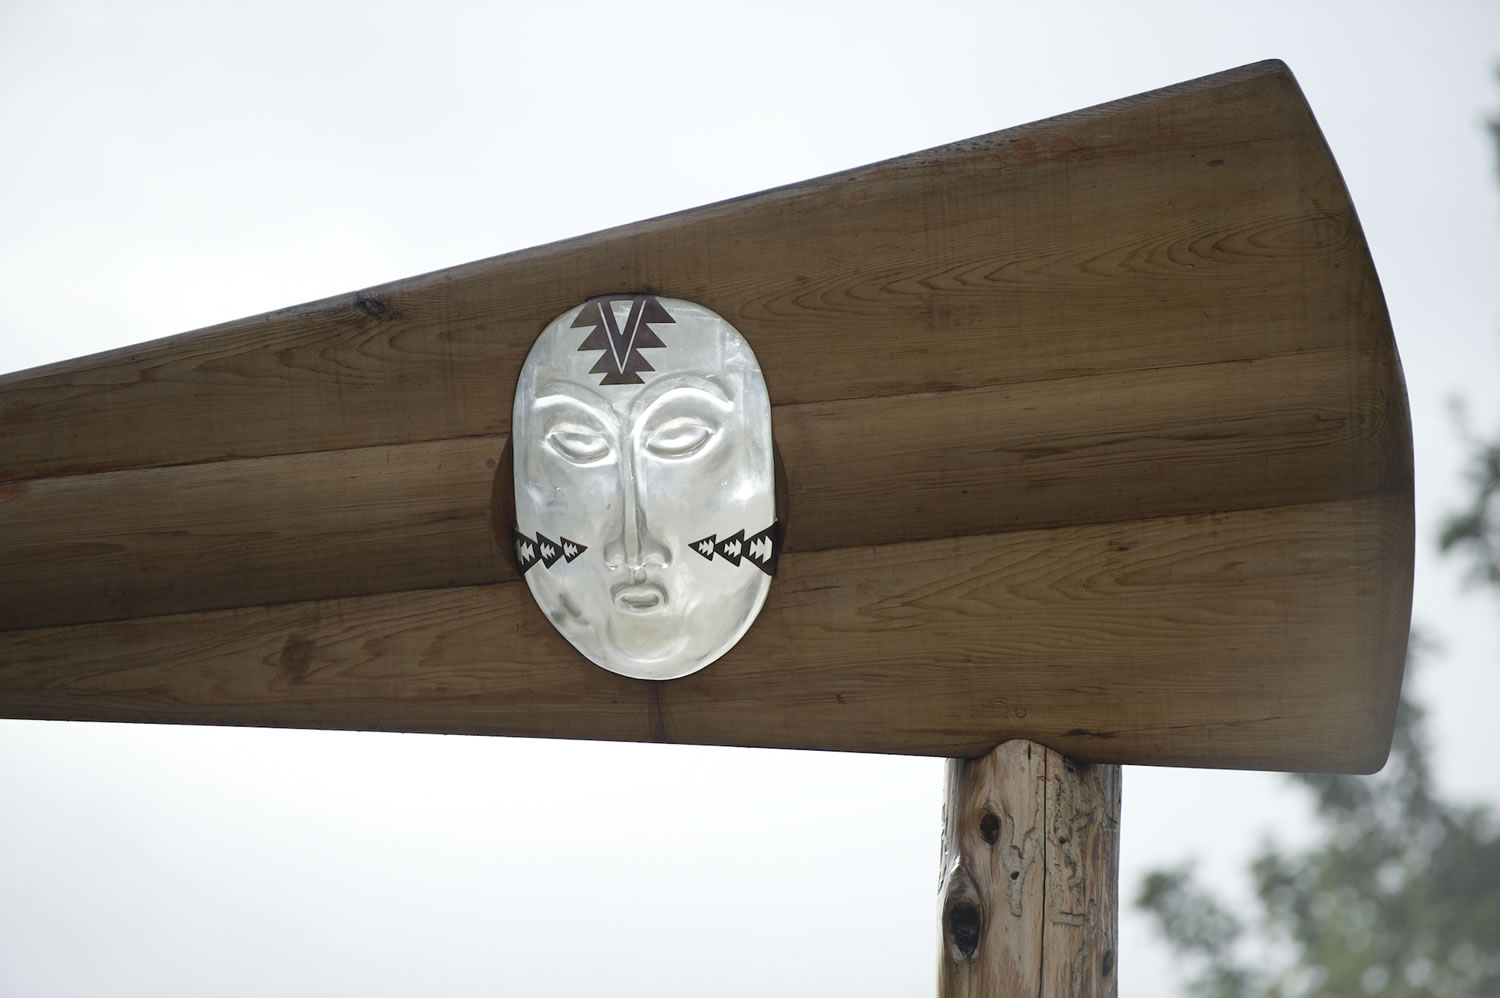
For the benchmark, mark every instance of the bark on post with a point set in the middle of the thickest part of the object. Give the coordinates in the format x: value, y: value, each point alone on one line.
x: 1030, y: 876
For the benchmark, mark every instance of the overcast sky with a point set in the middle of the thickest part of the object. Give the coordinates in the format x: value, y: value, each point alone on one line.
x: 172, y: 165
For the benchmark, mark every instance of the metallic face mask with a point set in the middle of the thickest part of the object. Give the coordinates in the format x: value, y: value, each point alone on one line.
x: 645, y: 485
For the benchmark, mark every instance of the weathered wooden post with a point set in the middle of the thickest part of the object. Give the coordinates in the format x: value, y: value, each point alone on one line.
x: 1092, y: 436
x: 1030, y: 893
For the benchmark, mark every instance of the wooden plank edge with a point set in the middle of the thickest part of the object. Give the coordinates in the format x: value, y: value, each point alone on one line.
x: 435, y: 279
x: 371, y: 304
x: 1400, y: 461
x: 291, y: 528
x: 483, y: 660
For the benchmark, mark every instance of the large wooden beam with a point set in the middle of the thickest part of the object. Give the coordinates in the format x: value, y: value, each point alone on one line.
x: 1093, y: 432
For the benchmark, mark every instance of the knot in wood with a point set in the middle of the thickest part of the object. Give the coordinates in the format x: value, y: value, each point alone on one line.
x: 963, y: 923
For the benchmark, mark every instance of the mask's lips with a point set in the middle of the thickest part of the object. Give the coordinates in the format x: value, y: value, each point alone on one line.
x: 639, y: 597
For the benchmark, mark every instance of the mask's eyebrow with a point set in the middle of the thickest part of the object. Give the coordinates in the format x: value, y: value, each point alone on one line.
x: 681, y: 382
x: 561, y: 391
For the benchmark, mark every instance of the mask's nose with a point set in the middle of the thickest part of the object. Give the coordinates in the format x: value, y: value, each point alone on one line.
x: 633, y: 546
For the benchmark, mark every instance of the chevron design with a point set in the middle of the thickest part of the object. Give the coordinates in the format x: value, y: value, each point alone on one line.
x: 731, y: 547
x: 526, y: 550
x: 549, y: 549
x: 541, y: 548
x: 760, y: 549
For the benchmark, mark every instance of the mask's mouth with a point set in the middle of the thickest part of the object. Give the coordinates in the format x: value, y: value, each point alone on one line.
x: 639, y: 597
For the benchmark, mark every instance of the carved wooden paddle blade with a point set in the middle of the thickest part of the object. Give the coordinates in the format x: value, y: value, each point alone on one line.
x: 1093, y: 433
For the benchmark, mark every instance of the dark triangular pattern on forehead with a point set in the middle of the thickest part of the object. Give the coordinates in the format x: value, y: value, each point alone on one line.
x: 621, y: 327
x: 635, y: 364
x: 621, y: 362
x: 590, y: 315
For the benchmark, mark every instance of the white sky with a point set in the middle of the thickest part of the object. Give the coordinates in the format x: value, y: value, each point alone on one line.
x: 167, y: 166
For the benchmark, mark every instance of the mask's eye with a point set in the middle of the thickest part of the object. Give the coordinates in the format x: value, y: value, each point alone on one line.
x: 680, y: 437
x: 578, y: 444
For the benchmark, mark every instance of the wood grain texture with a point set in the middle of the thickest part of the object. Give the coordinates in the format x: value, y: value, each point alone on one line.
x: 1253, y: 639
x: 1100, y: 448
x: 1030, y: 883
x: 279, y: 529
x: 1203, y: 223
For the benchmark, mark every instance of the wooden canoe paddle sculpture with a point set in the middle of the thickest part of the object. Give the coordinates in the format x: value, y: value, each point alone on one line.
x: 1092, y: 433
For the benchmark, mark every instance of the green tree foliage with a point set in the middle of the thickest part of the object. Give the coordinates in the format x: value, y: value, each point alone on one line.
x: 1474, y: 532
x: 1400, y: 897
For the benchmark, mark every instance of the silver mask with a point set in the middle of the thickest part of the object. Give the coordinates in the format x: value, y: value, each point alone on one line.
x: 645, y: 484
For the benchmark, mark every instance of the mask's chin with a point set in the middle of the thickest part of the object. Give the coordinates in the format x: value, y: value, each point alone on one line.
x: 653, y: 629
x: 649, y: 643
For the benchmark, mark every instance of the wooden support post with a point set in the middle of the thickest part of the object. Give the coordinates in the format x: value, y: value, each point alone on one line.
x: 1030, y: 876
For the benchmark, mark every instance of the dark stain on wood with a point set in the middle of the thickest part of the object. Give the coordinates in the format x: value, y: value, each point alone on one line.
x: 656, y: 721
x: 296, y: 657
x: 92, y: 468
x: 373, y: 307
